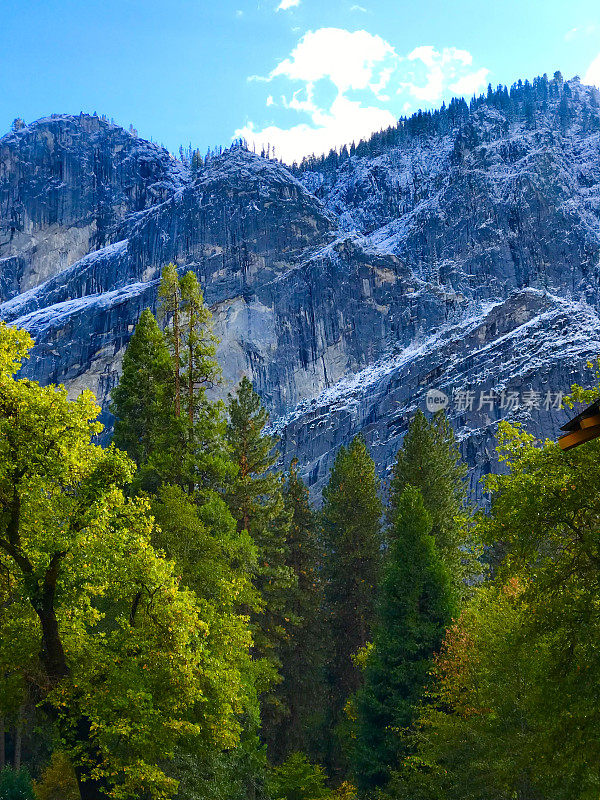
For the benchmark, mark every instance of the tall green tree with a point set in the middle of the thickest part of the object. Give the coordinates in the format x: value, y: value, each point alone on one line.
x: 206, y: 461
x: 256, y: 502
x: 163, y: 415
x: 169, y: 296
x: 217, y: 562
x: 415, y: 607
x: 429, y: 460
x: 301, y: 691
x: 351, y: 530
x: 122, y: 657
x: 141, y: 401
x: 198, y: 347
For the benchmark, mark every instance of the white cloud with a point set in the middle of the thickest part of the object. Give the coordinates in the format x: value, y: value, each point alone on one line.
x: 358, y: 8
x: 348, y: 59
x: 585, y: 30
x: 345, y: 121
x: 368, y: 67
x: 445, y: 69
x: 472, y: 83
x: 239, y: 13
x: 592, y: 76
x: 285, y: 4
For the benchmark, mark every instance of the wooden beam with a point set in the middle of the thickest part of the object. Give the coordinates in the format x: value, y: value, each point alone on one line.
x: 579, y: 437
x: 590, y: 422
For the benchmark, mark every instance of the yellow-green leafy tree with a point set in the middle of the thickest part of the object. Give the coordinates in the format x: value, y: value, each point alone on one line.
x: 122, y: 657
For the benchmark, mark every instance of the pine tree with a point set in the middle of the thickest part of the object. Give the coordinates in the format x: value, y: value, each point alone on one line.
x: 207, y: 463
x: 351, y: 529
x: 141, y: 400
x: 429, y: 460
x: 169, y: 295
x: 301, y: 690
x: 416, y: 605
x: 192, y: 450
x: 201, y: 368
x: 256, y: 502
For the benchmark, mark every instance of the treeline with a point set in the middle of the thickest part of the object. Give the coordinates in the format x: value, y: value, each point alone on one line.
x: 525, y: 101
x: 179, y: 621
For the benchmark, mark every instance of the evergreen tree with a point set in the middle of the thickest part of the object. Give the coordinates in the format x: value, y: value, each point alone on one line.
x: 169, y: 295
x: 429, y: 460
x: 191, y: 449
x: 351, y: 528
x: 140, y: 401
x: 301, y: 690
x: 256, y: 502
x: 207, y: 463
x: 201, y: 369
x: 416, y: 605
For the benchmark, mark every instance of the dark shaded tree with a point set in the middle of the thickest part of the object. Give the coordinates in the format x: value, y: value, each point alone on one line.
x: 415, y: 606
x: 351, y: 530
x: 141, y: 401
x: 255, y: 498
x: 301, y: 691
x: 429, y: 460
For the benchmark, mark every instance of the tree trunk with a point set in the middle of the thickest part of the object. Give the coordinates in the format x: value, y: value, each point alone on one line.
x: 191, y: 486
x: 177, y: 343
x: 18, y: 740
x: 76, y: 726
x: 89, y: 789
x: 53, y: 654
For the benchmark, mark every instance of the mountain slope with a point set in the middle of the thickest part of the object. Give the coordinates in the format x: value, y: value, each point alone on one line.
x: 345, y: 288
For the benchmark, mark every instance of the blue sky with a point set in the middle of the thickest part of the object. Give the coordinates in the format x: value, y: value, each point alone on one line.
x: 301, y: 74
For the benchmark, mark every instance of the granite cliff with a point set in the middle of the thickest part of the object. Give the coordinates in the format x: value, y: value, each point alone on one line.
x: 458, y: 253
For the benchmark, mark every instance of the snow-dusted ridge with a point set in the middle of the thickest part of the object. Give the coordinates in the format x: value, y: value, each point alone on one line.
x: 438, y: 257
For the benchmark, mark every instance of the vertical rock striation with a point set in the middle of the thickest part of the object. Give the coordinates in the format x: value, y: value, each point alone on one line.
x: 463, y: 257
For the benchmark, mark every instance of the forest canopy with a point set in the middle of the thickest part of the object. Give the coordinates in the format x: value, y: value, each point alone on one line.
x: 179, y: 619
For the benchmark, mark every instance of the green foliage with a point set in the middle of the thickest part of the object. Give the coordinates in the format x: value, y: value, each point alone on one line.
x: 516, y: 711
x: 301, y: 691
x: 256, y: 502
x: 215, y: 562
x: 58, y: 781
x: 351, y: 530
x: 416, y: 605
x: 238, y: 773
x: 129, y: 661
x: 14, y: 347
x: 192, y: 450
x: 581, y: 395
x: 201, y: 368
x: 477, y: 736
x: 430, y: 461
x: 15, y: 785
x: 298, y: 779
x: 141, y: 402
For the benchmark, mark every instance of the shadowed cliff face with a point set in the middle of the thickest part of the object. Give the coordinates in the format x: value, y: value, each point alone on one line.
x: 66, y: 186
x: 466, y: 260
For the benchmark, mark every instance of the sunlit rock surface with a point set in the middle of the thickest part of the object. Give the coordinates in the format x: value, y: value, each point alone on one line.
x: 462, y: 261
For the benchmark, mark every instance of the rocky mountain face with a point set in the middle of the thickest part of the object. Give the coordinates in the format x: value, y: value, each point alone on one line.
x: 462, y: 258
